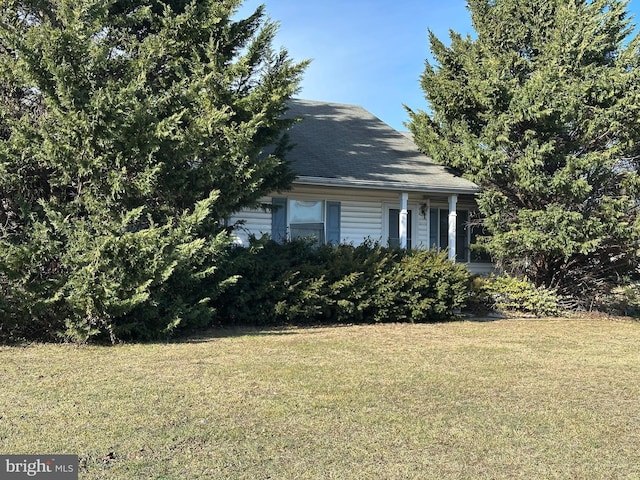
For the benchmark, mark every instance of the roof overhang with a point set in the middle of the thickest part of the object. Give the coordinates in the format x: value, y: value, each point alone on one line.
x: 385, y: 185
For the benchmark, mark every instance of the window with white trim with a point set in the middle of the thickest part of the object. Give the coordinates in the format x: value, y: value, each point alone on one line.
x: 305, y: 218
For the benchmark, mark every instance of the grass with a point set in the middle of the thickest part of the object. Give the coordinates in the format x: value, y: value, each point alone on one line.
x: 552, y: 398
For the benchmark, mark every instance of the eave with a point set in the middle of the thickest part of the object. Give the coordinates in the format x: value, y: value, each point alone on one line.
x: 384, y: 185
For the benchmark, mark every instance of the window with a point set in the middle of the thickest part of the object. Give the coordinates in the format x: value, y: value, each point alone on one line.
x: 394, y: 227
x: 391, y: 225
x: 478, y: 256
x: 306, y: 219
x: 465, y: 235
x: 296, y: 218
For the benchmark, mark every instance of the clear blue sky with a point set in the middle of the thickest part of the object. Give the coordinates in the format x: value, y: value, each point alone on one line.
x: 367, y: 52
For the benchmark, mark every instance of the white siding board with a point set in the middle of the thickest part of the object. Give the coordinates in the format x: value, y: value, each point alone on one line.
x: 361, y: 220
x: 423, y: 238
x: 256, y: 222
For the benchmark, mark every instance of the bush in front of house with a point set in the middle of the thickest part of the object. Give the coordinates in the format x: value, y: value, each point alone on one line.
x: 420, y: 285
x: 299, y: 283
x: 509, y: 293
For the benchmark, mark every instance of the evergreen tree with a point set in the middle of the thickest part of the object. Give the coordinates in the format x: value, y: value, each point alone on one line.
x: 541, y: 109
x: 128, y: 130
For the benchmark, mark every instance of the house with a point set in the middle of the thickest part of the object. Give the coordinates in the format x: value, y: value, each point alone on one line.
x: 358, y: 179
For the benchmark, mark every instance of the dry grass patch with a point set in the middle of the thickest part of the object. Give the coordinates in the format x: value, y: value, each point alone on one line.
x: 505, y: 399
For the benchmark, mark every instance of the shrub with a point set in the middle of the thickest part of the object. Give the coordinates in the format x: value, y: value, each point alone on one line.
x: 623, y: 301
x: 419, y: 286
x: 299, y: 283
x: 110, y: 281
x: 519, y: 294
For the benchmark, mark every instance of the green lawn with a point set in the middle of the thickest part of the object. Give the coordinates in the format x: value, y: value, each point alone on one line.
x: 506, y: 399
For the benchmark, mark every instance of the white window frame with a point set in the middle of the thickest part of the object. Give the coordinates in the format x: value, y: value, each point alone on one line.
x: 290, y: 200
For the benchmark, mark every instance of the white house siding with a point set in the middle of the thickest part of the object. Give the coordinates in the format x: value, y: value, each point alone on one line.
x: 362, y: 210
x: 359, y: 220
x: 361, y: 216
x: 256, y: 221
x: 423, y: 230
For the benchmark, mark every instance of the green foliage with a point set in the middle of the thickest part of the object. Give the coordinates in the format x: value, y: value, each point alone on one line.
x: 299, y: 283
x: 624, y: 300
x: 420, y: 285
x: 541, y: 110
x: 516, y: 294
x: 127, y: 130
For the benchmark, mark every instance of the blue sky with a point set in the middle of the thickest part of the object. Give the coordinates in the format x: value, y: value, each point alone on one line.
x: 367, y: 52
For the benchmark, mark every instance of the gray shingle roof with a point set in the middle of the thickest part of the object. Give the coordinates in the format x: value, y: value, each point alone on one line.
x: 338, y: 144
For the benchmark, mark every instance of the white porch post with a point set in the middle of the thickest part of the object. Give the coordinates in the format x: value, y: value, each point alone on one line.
x: 427, y: 217
x: 404, y: 199
x: 453, y: 200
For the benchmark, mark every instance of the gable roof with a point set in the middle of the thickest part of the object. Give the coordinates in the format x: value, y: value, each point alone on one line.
x: 345, y: 145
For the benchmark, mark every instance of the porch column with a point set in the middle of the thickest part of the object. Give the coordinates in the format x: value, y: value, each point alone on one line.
x: 453, y: 200
x: 404, y: 199
x: 427, y: 217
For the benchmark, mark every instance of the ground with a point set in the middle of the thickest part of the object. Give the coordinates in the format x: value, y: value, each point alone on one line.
x: 510, y: 398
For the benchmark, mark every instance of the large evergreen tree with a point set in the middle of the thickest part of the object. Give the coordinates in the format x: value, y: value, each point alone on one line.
x: 542, y: 110
x: 128, y: 130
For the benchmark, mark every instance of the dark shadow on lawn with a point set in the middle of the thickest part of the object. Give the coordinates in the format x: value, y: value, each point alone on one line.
x: 485, y: 317
x: 213, y: 333
x: 293, y: 329
x: 229, y: 332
